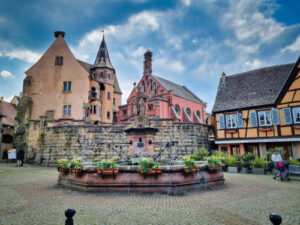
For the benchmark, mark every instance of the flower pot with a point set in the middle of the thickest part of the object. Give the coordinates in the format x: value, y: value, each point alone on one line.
x: 186, y: 170
x: 77, y: 171
x: 232, y: 169
x: 73, y: 170
x: 153, y: 171
x: 245, y: 170
x: 258, y: 170
x: 109, y: 171
x: 214, y: 169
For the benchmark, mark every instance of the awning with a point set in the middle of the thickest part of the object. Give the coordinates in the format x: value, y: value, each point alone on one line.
x: 263, y: 140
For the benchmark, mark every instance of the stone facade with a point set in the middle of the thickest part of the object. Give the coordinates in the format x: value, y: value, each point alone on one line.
x: 46, y: 145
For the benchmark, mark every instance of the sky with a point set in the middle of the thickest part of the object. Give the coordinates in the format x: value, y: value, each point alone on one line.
x: 193, y: 41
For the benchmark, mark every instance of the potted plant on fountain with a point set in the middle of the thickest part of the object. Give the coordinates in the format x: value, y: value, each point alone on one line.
x: 107, y: 167
x: 258, y: 166
x: 214, y: 164
x: 149, y: 166
x: 232, y: 163
x: 62, y: 165
x: 76, y: 166
x: 189, y: 165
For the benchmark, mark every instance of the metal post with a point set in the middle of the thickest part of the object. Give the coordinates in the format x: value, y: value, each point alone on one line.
x: 69, y: 213
x: 275, y: 218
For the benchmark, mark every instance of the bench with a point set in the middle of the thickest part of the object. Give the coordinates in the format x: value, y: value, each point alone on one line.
x: 294, y: 170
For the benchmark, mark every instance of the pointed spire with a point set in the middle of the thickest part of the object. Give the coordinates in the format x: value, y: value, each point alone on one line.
x: 102, y: 59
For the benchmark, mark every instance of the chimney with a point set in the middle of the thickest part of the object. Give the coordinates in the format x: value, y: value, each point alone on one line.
x: 59, y: 33
x: 148, y: 62
x: 223, y: 78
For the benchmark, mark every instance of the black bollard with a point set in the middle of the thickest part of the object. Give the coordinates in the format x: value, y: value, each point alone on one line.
x: 275, y: 218
x: 69, y: 213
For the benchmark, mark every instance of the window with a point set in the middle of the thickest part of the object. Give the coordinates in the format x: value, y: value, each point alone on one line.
x: 124, y: 112
x: 231, y: 121
x: 93, y: 109
x: 177, y: 109
x: 108, y: 76
x: 67, y: 110
x: 114, y: 101
x: 154, y: 88
x: 151, y: 88
x: 143, y: 87
x: 67, y: 86
x: 101, y: 75
x: 150, y: 107
x: 59, y: 61
x: 296, y: 114
x: 108, y: 115
x: 188, y: 111
x: 108, y: 95
x: 265, y: 118
x: 198, y: 114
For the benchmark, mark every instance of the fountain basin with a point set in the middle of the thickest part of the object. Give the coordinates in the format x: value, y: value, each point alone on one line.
x: 172, y: 180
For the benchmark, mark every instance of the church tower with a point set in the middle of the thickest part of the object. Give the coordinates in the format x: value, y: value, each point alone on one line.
x: 104, y: 73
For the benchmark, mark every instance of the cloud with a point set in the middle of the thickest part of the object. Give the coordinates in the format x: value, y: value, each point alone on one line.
x: 186, y: 2
x: 6, y: 74
x: 21, y: 54
x: 293, y: 47
x: 254, y: 64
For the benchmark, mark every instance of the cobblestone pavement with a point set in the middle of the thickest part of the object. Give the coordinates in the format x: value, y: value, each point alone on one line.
x: 30, y: 195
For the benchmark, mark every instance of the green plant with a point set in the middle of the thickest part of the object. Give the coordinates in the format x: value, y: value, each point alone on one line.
x: 189, y: 164
x: 246, y: 159
x: 213, y: 162
x: 294, y: 162
x: 107, y: 164
x: 200, y: 154
x: 258, y: 163
x: 95, y: 161
x: 220, y: 156
x: 62, y: 163
x: 148, y: 163
x: 232, y: 161
x: 75, y: 164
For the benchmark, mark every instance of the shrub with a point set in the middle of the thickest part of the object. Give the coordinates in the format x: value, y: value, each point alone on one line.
x: 148, y: 163
x: 258, y: 163
x: 232, y: 161
x: 75, y: 164
x: 95, y: 161
x: 107, y: 164
x: 294, y: 162
x: 62, y: 163
x: 200, y: 154
x: 189, y: 164
x: 213, y: 162
x: 246, y: 159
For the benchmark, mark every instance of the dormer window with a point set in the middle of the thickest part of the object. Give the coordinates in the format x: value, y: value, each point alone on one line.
x: 59, y: 61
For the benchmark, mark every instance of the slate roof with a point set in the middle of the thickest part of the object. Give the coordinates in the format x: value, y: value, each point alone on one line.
x: 10, y: 112
x: 251, y: 89
x: 88, y: 66
x: 178, y: 90
x: 102, y: 59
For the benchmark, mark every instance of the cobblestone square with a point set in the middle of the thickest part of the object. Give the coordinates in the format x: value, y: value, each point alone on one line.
x: 30, y: 195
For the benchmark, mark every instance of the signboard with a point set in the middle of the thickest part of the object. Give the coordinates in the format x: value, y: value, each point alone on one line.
x: 12, y: 154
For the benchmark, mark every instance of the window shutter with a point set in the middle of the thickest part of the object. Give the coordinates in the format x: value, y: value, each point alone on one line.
x: 275, y: 117
x: 239, y: 119
x: 221, y: 122
x: 253, y: 119
x: 287, y: 115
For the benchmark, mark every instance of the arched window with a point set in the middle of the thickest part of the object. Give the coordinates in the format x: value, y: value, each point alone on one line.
x: 154, y: 88
x: 188, y: 111
x: 101, y: 75
x: 108, y: 95
x: 140, y: 139
x: 93, y: 89
x: 146, y: 80
x: 198, y: 114
x: 108, y: 115
x: 143, y: 86
x: 150, y: 107
x: 151, y: 88
x: 177, y: 109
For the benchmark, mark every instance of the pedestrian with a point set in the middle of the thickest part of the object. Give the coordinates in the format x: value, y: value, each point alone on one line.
x: 276, y: 158
x: 20, y: 157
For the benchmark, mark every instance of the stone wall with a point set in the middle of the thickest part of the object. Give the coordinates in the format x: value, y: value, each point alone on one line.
x: 47, y: 145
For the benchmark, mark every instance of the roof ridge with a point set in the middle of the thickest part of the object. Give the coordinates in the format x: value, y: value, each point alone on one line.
x: 193, y: 94
x: 268, y: 67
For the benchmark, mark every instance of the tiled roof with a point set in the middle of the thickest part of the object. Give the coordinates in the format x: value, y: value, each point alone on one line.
x: 102, y: 59
x: 10, y: 112
x: 88, y: 66
x: 177, y: 89
x: 251, y: 89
